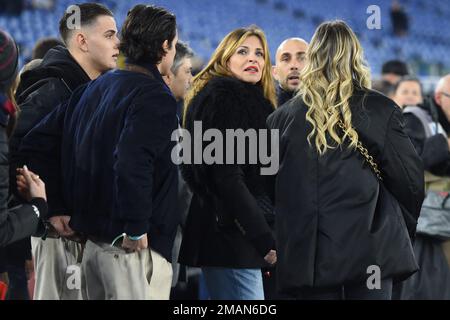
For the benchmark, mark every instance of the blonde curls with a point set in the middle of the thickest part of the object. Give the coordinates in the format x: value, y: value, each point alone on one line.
x: 335, y: 64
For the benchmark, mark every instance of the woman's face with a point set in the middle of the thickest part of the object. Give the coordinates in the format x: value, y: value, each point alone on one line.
x: 408, y: 93
x: 247, y: 62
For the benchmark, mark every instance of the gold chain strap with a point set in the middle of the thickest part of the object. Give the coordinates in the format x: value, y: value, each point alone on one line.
x: 364, y: 152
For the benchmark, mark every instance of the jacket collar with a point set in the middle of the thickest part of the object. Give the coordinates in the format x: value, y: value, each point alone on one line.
x: 146, y: 68
x: 283, y: 95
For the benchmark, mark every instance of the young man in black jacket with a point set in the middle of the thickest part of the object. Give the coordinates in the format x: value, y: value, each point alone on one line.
x: 118, y: 178
x: 91, y: 49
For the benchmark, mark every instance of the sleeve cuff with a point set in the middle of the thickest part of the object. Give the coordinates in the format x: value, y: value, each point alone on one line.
x: 41, y: 206
x: 136, y: 228
x: 264, y: 243
x: 435, y: 151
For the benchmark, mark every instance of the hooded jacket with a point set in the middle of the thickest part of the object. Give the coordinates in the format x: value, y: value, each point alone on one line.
x: 40, y: 91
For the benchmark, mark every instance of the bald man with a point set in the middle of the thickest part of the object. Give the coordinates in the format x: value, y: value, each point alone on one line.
x: 433, y: 147
x: 442, y: 100
x: 290, y: 60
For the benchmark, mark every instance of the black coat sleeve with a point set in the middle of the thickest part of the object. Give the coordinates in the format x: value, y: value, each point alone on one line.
x: 434, y: 150
x: 41, y: 151
x: 36, y: 106
x: 237, y: 199
x: 229, y: 180
x: 147, y: 131
x: 21, y: 221
x: 402, y: 170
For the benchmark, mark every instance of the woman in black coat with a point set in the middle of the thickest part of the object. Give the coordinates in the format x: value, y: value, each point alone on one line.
x: 340, y: 232
x: 22, y: 221
x: 226, y: 231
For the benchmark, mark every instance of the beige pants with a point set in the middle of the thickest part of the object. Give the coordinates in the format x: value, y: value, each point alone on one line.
x: 108, y: 273
x: 57, y: 269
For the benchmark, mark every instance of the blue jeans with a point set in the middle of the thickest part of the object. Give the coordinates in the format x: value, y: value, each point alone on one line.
x: 234, y: 284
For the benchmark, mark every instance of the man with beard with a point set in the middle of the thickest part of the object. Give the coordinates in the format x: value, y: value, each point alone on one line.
x: 290, y: 60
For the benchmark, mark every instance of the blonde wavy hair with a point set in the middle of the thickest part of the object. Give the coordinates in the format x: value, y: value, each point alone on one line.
x: 217, y: 65
x: 335, y: 65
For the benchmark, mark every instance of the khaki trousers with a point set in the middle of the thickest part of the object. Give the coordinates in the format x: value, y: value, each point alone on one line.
x: 57, y: 269
x: 109, y: 273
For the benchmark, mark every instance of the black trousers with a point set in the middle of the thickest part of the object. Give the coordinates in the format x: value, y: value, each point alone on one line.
x: 350, y: 292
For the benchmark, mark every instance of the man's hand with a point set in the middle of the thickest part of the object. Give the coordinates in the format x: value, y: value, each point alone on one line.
x: 271, y: 257
x: 134, y: 245
x: 61, y: 225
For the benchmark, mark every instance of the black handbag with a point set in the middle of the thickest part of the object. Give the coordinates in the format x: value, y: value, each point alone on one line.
x: 384, y: 194
x: 389, y: 226
x: 434, y: 220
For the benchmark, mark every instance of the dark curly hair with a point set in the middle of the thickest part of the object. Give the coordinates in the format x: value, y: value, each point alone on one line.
x: 144, y: 31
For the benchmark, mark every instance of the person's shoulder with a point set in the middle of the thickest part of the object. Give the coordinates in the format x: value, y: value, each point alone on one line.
x: 230, y: 88
x: 127, y: 80
x: 375, y: 105
x: 289, y: 110
x: 46, y: 92
x: 224, y: 82
x: 375, y: 99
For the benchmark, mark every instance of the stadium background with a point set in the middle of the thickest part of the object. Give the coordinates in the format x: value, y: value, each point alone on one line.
x: 203, y: 23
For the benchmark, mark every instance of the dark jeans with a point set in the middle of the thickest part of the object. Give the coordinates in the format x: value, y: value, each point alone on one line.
x: 350, y: 292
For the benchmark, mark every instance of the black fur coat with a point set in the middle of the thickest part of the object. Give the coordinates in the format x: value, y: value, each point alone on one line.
x: 226, y: 226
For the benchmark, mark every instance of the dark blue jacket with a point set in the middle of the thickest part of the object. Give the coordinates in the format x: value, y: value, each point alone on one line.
x: 114, y: 141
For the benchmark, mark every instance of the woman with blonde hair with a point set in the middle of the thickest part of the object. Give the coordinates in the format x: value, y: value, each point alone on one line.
x: 226, y: 232
x: 350, y: 185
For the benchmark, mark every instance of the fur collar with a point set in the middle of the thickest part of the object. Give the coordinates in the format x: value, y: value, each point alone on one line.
x: 224, y: 103
x: 228, y: 103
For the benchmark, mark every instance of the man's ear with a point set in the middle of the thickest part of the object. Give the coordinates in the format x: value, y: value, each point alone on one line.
x: 274, y: 72
x: 437, y: 97
x: 165, y: 46
x: 80, y: 42
x: 167, y: 79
